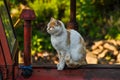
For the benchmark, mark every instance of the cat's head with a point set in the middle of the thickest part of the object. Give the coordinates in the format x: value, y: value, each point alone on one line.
x: 54, y: 26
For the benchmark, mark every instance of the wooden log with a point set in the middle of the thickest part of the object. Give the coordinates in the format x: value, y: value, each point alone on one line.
x: 91, y: 58
x: 97, y: 44
x: 97, y: 51
x: 118, y: 58
x: 101, y: 47
x: 118, y: 42
x: 113, y: 42
x: 115, y: 52
x: 103, y: 54
x: 109, y: 47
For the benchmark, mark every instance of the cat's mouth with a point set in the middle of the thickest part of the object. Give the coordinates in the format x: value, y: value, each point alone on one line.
x: 50, y: 30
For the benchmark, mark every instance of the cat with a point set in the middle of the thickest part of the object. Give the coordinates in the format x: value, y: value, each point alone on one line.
x: 69, y: 45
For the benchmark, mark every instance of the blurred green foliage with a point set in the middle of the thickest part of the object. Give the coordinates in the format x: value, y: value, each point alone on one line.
x: 97, y: 19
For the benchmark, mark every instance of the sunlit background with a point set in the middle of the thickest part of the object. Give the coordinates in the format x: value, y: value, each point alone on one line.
x: 98, y: 21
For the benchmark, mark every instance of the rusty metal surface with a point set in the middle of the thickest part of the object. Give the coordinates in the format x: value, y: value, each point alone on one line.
x: 2, y: 58
x: 5, y: 55
x: 72, y: 24
x: 27, y: 15
x: 4, y: 44
x: 72, y: 10
x: 73, y: 74
x: 27, y: 42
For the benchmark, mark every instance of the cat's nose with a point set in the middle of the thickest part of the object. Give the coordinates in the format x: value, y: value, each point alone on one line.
x: 49, y: 28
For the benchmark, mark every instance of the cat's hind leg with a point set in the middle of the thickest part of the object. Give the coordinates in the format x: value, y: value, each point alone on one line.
x: 69, y: 61
x: 74, y: 64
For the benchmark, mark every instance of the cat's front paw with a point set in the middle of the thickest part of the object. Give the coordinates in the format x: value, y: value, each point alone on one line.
x: 60, y: 66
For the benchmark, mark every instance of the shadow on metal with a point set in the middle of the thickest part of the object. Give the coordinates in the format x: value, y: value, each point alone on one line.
x: 88, y: 66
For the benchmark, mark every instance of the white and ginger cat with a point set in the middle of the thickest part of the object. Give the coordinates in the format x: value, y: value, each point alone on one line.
x: 69, y: 45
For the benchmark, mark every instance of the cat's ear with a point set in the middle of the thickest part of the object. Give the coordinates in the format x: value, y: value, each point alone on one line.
x: 58, y: 22
x: 52, y: 19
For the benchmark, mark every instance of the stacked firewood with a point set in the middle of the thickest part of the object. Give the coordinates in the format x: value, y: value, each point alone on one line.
x: 104, y: 52
x: 45, y: 58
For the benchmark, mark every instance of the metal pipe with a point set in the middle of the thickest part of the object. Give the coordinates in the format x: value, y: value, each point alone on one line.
x: 72, y: 10
x: 27, y: 42
x: 27, y: 15
x: 72, y: 24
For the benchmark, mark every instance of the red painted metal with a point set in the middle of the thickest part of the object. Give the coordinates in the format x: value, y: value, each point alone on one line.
x: 2, y: 58
x: 2, y: 63
x: 48, y: 72
x: 27, y: 15
x: 5, y: 54
x: 4, y: 44
x: 27, y: 43
x: 7, y: 57
x: 41, y: 73
x: 72, y: 23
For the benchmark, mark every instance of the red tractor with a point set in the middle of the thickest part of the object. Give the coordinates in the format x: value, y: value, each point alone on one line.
x: 10, y: 69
